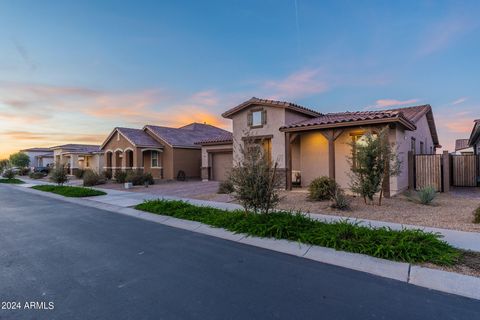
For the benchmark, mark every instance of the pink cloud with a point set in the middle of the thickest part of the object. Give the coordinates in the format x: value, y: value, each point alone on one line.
x: 459, y: 101
x: 299, y: 84
x: 384, y: 103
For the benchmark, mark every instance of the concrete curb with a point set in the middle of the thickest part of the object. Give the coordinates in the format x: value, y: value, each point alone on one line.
x: 439, y: 280
x: 450, y: 282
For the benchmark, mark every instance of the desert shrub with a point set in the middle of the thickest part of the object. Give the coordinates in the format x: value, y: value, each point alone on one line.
x: 107, y: 174
x: 37, y: 175
x: 476, y: 215
x: 8, y: 173
x: 120, y: 176
x: 4, y: 163
x: 225, y: 187
x: 254, y: 179
x: 426, y: 195
x: 79, y: 173
x: 23, y: 171
x: 322, y: 188
x: 138, y: 178
x: 340, y: 200
x: 91, y: 178
x: 59, y: 174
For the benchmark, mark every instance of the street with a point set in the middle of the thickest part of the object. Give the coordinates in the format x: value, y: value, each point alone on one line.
x: 93, y: 264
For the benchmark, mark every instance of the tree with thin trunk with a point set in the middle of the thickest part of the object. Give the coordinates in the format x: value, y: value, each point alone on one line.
x: 254, y: 178
x: 373, y: 161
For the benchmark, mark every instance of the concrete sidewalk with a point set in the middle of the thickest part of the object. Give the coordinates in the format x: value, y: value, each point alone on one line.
x: 460, y: 239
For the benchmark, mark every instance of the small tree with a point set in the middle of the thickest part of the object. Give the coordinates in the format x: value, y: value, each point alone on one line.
x: 20, y: 159
x: 4, y: 163
x: 254, y: 179
x: 373, y: 160
x: 59, y: 174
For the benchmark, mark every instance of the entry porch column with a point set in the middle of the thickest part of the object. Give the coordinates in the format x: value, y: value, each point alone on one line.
x: 331, y: 135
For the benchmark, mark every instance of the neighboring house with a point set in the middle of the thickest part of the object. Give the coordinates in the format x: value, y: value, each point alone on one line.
x: 462, y: 147
x: 161, y: 151
x: 474, y: 140
x: 79, y: 157
x: 307, y: 144
x: 39, y: 157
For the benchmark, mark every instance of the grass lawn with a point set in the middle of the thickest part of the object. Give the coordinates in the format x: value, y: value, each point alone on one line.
x: 413, y: 246
x: 68, y: 191
x: 11, y: 181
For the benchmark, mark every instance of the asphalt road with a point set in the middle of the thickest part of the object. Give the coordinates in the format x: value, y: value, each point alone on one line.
x: 93, y: 264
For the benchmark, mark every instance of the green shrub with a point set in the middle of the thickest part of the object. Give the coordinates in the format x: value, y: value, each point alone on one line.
x: 426, y: 195
x: 11, y: 181
x: 225, y: 187
x: 59, y: 174
x: 120, y: 176
x: 20, y: 159
x: 138, y: 178
x: 413, y: 246
x: 68, y: 191
x: 37, y: 175
x: 8, y: 174
x: 476, y: 215
x: 79, y: 173
x: 322, y: 188
x: 91, y: 178
x: 340, y: 200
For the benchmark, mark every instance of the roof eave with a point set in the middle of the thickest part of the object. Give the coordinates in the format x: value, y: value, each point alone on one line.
x: 407, y: 124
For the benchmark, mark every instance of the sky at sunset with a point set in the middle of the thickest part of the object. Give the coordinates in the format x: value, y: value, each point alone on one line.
x: 70, y: 71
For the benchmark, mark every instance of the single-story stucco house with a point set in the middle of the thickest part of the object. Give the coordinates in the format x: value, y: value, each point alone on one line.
x: 79, y: 157
x: 307, y: 144
x: 474, y: 140
x: 161, y: 151
x: 39, y: 157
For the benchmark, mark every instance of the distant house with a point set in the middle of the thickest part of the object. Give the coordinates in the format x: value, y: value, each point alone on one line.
x: 474, y: 140
x: 462, y: 147
x: 162, y: 151
x: 79, y: 157
x: 307, y: 144
x: 39, y: 157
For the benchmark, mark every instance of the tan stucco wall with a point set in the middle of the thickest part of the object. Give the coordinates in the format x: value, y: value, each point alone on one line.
x: 276, y: 118
x: 188, y: 160
x: 403, y: 140
x: 147, y: 161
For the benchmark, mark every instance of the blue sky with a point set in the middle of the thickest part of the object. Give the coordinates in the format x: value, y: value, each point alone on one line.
x: 72, y: 70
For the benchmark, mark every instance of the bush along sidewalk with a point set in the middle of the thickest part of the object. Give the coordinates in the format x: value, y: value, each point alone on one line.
x: 412, y: 246
x: 68, y: 191
x: 11, y: 181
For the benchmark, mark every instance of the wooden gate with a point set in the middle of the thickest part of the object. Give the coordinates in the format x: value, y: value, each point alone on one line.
x: 428, y: 171
x: 464, y: 170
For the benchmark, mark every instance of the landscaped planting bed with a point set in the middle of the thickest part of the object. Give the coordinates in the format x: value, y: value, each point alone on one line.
x: 413, y: 246
x: 11, y: 181
x: 68, y: 191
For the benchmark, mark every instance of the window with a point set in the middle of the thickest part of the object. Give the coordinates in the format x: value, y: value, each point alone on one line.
x: 118, y: 136
x: 413, y: 146
x: 154, y: 159
x: 422, y: 150
x: 87, y: 162
x: 257, y: 118
x: 358, y: 139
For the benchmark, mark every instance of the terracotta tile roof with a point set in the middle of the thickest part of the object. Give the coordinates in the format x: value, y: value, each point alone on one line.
x: 274, y: 103
x: 36, y: 150
x: 461, y: 144
x: 224, y: 138
x: 138, y: 137
x: 410, y: 115
x: 86, y: 148
x: 186, y: 136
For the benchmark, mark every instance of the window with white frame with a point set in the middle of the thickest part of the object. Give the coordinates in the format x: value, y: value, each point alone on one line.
x: 155, y: 159
x: 257, y: 118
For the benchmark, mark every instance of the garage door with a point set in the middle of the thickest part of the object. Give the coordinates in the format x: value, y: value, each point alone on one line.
x: 221, y: 165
